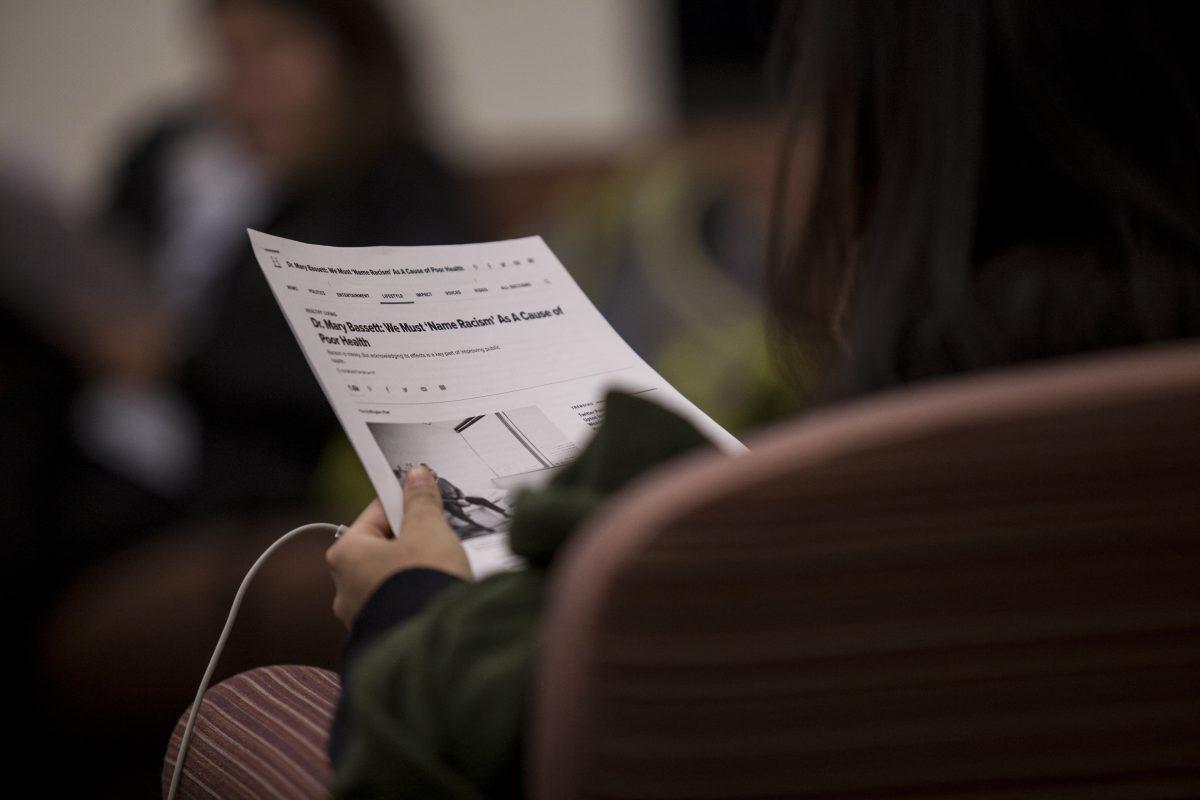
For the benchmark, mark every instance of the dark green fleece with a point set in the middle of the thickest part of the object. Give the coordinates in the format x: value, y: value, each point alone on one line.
x: 438, y: 707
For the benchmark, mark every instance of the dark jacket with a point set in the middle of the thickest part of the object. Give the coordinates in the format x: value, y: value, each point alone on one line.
x: 438, y: 675
x: 263, y: 416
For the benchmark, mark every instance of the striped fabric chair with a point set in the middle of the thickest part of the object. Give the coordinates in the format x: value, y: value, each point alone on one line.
x: 262, y: 733
x: 985, y: 588
x: 988, y: 588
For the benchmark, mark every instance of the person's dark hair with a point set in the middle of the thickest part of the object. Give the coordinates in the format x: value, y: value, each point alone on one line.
x: 368, y: 42
x: 991, y: 181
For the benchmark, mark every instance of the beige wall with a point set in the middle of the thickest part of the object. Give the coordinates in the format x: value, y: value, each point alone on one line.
x: 511, y: 79
x: 74, y: 73
x: 518, y: 78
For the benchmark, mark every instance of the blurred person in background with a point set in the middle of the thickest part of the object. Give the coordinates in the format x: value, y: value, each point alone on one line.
x: 305, y: 129
x: 965, y: 186
x: 67, y: 311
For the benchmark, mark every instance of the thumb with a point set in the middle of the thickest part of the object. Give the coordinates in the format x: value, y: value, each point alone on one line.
x: 422, y: 498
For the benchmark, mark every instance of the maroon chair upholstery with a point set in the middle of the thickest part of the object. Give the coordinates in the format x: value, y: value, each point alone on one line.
x: 262, y: 733
x: 987, y: 588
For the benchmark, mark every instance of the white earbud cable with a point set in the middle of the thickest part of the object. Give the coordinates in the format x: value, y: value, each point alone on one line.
x: 316, y: 527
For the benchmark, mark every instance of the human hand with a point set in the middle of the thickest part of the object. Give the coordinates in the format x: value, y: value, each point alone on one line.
x: 365, y: 556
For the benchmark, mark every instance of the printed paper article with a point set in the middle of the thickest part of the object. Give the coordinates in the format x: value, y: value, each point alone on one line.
x: 484, y: 361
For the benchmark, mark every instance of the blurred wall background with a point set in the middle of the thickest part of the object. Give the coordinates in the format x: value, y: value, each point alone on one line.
x: 73, y: 82
x: 523, y: 80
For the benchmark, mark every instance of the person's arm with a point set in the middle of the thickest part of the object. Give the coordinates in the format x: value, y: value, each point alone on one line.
x: 382, y: 582
x: 399, y: 598
x: 439, y: 706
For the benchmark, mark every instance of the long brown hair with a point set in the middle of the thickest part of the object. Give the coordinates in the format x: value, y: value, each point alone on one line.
x: 993, y: 181
x: 368, y: 43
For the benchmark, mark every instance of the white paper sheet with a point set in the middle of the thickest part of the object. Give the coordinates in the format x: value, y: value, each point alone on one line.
x: 484, y: 361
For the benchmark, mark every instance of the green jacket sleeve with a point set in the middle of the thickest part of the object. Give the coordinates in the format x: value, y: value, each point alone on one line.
x: 438, y: 707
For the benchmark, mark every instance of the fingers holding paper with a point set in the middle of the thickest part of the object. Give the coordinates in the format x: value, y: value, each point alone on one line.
x: 365, y: 556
